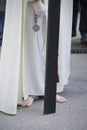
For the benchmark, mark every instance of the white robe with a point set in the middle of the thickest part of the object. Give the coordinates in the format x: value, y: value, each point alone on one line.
x: 22, y: 63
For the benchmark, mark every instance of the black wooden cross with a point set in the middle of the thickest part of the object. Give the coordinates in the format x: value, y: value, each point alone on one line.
x: 52, y: 56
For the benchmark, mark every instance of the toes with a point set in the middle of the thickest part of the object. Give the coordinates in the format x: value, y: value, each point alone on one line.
x: 28, y: 102
x: 23, y: 104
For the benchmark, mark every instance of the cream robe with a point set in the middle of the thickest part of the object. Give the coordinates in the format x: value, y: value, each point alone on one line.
x: 22, y: 63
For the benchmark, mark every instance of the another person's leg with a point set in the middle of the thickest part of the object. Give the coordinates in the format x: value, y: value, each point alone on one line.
x: 75, y: 16
x: 83, y: 21
x: 59, y: 98
x: 2, y: 15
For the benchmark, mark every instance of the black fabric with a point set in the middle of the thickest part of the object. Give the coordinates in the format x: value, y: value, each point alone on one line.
x: 2, y: 16
x: 83, y: 16
x: 2, y: 5
x: 75, y: 16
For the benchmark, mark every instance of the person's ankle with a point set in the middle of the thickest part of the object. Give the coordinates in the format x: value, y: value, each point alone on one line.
x: 84, y: 38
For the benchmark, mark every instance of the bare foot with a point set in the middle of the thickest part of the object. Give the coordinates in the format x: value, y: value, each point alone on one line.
x: 60, y: 99
x: 28, y: 102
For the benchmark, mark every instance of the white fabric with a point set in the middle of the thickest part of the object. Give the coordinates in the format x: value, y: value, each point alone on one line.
x: 10, y: 56
x: 34, y: 53
x: 22, y: 64
x: 65, y: 43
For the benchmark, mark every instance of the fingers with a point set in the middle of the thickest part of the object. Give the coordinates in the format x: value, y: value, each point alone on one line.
x: 39, y: 8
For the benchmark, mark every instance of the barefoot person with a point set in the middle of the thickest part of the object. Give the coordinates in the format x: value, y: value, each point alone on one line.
x: 22, y: 63
x: 40, y: 11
